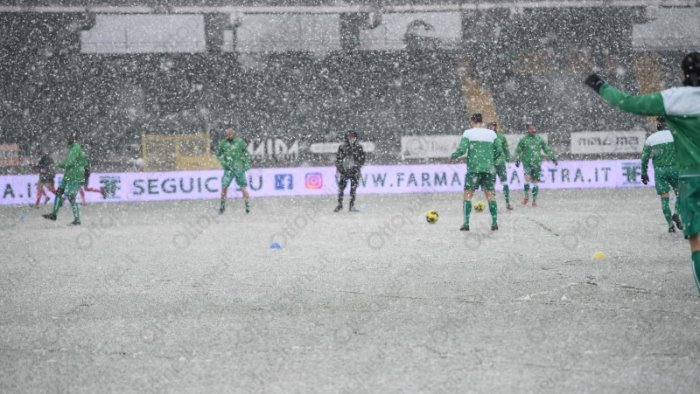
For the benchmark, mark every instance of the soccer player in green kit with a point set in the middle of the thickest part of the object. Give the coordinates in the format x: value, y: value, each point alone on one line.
x: 73, y: 178
x: 482, y: 151
x: 681, y: 108
x: 234, y: 158
x: 501, y: 162
x: 529, y: 153
x: 660, y: 148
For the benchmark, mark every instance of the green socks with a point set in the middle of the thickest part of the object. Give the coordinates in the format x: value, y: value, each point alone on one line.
x: 527, y: 190
x: 222, y: 204
x: 467, y: 210
x: 75, y: 209
x: 506, y: 194
x: 493, y: 208
x: 696, y: 268
x: 57, y: 202
x: 666, y: 209
x: 535, y: 190
x: 247, y: 206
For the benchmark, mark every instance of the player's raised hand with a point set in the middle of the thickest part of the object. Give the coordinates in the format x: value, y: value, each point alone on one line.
x: 645, y: 179
x: 595, y: 82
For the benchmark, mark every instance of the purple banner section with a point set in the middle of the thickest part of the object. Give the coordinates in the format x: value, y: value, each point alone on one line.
x: 317, y: 181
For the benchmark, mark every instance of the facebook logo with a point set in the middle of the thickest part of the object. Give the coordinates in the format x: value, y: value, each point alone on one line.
x: 284, y: 182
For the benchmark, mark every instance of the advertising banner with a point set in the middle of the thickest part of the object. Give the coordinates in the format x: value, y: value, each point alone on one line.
x: 332, y: 147
x: 597, y: 142
x: 318, y: 181
x: 442, y: 146
x: 399, y: 30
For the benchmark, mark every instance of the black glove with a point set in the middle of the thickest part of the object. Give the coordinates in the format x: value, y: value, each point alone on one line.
x: 556, y: 163
x: 595, y: 82
x: 645, y: 179
x: 517, y: 163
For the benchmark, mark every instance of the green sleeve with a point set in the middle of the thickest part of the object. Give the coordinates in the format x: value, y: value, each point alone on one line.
x: 548, y: 150
x: 497, y: 152
x: 519, y: 151
x: 219, y: 153
x: 646, y: 155
x: 646, y: 104
x: 463, y: 147
x: 506, y: 150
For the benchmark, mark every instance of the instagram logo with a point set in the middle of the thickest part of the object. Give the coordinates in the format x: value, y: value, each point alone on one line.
x: 313, y: 180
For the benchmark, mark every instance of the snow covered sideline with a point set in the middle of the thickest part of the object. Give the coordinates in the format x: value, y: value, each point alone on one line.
x: 170, y: 296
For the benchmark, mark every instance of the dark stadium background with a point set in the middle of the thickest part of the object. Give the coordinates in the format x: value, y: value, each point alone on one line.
x: 50, y: 88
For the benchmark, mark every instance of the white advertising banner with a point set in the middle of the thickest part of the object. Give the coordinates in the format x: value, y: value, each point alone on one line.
x: 397, y: 30
x: 442, y: 146
x: 144, y: 34
x: 598, y: 142
x: 428, y: 146
x: 317, y: 181
x: 288, y: 32
x: 332, y: 147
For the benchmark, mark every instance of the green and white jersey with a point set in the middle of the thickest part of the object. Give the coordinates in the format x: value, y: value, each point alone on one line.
x: 659, y: 147
x: 681, y: 108
x: 503, y: 145
x: 529, y: 151
x: 479, y: 145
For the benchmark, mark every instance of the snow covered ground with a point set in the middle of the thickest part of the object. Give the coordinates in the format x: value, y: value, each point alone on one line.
x: 173, y: 297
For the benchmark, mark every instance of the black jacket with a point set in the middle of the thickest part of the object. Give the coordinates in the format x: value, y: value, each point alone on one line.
x: 350, y: 158
x: 46, y: 169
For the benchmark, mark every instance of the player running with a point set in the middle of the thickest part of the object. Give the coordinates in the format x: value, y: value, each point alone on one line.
x: 234, y: 158
x: 73, y: 178
x: 529, y: 152
x: 660, y: 148
x: 681, y: 108
x: 348, y: 164
x: 480, y: 147
x: 47, y: 174
x: 501, y: 162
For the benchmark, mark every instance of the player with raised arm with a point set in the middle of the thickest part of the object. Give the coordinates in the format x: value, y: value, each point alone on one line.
x: 479, y: 146
x: 681, y: 108
x: 501, y: 162
x: 659, y: 147
x: 529, y: 152
x: 234, y: 158
x: 73, y: 178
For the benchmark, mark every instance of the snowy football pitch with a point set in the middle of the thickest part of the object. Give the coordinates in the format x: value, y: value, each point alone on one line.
x: 171, y: 297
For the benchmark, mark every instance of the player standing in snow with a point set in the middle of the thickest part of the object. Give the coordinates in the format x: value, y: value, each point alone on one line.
x: 348, y: 164
x: 681, y: 108
x: 234, y: 158
x: 660, y: 148
x: 481, y: 149
x: 47, y: 174
x: 501, y: 162
x: 529, y: 152
x: 73, y: 178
